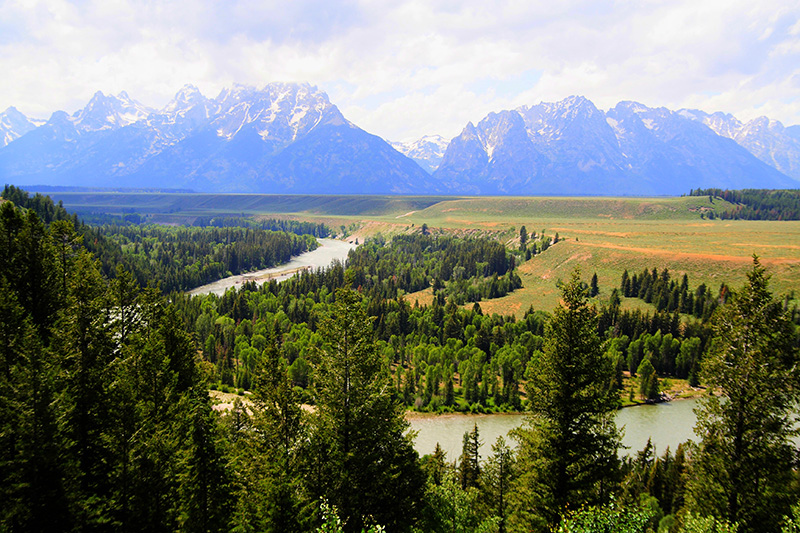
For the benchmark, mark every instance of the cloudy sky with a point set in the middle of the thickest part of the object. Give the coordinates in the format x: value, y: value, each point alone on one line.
x: 402, y: 69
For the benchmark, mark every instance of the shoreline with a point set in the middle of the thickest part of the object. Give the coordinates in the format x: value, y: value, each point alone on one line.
x: 410, y: 414
x: 327, y: 251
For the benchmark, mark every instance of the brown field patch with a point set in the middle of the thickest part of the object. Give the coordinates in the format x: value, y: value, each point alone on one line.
x: 688, y: 255
x: 783, y: 246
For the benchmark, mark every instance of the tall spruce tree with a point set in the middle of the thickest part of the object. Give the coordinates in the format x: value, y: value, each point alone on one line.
x: 361, y: 459
x: 469, y: 467
x: 498, y: 474
x: 743, y: 468
x: 568, y: 447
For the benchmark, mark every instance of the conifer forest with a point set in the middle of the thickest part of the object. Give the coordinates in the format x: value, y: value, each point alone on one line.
x: 109, y: 374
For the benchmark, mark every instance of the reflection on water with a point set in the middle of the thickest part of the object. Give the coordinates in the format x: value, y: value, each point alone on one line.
x: 667, y: 424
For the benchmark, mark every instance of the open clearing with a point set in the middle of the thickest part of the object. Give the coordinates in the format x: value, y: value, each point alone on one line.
x: 597, y: 234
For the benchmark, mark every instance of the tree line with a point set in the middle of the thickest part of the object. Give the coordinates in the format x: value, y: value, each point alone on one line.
x: 180, y: 258
x: 299, y: 227
x: 756, y: 204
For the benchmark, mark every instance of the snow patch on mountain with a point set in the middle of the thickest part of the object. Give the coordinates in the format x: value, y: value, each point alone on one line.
x: 14, y: 125
x: 427, y: 151
x: 766, y: 139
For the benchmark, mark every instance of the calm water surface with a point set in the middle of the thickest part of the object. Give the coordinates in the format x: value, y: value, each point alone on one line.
x: 668, y: 424
x: 323, y: 256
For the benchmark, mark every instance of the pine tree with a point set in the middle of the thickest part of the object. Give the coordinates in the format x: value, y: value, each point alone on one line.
x: 469, y: 466
x: 743, y: 468
x: 496, y: 482
x: 568, y: 447
x: 360, y: 459
x: 275, y: 444
x: 594, y: 290
x: 31, y: 446
x: 205, y: 480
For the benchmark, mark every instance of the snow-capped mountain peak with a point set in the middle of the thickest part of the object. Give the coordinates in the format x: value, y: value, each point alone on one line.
x: 427, y: 151
x: 280, y: 112
x: 14, y: 125
x: 572, y: 147
x: 109, y: 113
x: 289, y: 137
x: 766, y: 139
x: 188, y: 97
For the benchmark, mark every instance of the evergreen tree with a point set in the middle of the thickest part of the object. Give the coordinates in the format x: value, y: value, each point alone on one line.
x: 31, y: 446
x: 205, y: 484
x: 469, y: 467
x: 568, y: 448
x: 594, y: 290
x: 743, y: 468
x: 436, y: 466
x: 496, y: 482
x: 360, y: 458
x: 268, y: 488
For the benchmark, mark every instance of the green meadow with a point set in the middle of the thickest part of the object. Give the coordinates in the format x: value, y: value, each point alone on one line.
x: 598, y: 234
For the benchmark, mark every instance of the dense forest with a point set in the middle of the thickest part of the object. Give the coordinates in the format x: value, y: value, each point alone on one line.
x: 106, y: 422
x: 756, y: 204
x: 181, y: 258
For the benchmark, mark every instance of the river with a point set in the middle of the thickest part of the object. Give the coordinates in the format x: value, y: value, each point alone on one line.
x: 323, y: 256
x: 668, y: 424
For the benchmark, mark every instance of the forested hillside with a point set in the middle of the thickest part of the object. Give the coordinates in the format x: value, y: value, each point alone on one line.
x: 106, y: 422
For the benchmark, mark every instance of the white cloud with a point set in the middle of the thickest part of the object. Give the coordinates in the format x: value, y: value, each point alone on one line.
x: 401, y: 69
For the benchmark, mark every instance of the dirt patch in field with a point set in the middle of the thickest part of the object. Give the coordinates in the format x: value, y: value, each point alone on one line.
x: 579, y: 232
x: 473, y: 223
x: 688, y: 255
x: 423, y: 297
x: 499, y: 306
x: 780, y: 246
x: 223, y: 401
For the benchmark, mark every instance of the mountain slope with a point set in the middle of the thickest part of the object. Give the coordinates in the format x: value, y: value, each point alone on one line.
x: 235, y: 142
x: 766, y: 139
x: 14, y: 125
x: 427, y: 151
x: 571, y: 147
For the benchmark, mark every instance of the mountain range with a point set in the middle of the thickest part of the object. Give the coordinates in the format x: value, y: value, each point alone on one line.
x: 289, y: 138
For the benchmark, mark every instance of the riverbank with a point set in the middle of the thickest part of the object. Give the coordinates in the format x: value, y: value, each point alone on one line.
x: 329, y: 250
x: 667, y: 424
x: 672, y: 389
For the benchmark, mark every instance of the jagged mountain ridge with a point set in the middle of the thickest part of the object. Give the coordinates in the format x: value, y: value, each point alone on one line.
x: 766, y: 139
x: 571, y: 147
x: 288, y: 137
x: 427, y: 151
x: 14, y: 125
x: 285, y: 137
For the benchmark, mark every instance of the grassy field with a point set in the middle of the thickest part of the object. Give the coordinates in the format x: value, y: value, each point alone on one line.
x: 598, y: 234
x: 198, y: 204
x: 609, y: 235
x: 710, y: 253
